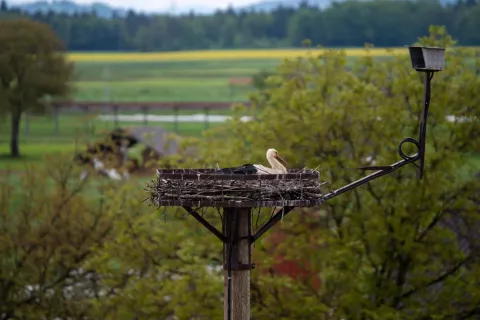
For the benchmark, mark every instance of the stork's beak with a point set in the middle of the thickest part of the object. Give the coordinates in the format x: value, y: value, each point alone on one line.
x: 281, y: 160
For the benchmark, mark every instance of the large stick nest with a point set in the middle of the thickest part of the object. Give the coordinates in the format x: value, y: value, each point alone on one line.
x: 205, y: 188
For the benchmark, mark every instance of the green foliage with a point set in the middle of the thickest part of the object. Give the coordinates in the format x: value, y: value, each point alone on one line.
x: 345, y: 23
x: 48, y: 229
x: 260, y: 79
x: 91, y: 249
x: 385, y: 250
x: 32, y: 70
x: 397, y: 248
x: 161, y: 268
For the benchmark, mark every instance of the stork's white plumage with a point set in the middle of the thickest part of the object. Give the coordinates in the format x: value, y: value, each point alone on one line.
x: 277, y: 163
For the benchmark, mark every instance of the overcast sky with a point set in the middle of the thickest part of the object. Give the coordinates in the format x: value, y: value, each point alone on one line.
x: 160, y: 5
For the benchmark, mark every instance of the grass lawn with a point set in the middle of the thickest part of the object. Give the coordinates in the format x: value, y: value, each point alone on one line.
x: 33, y: 152
x: 73, y: 133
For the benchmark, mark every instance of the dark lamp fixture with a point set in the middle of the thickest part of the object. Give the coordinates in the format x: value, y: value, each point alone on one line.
x: 425, y: 59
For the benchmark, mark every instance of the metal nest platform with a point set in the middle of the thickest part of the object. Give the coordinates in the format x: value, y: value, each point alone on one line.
x: 207, y: 188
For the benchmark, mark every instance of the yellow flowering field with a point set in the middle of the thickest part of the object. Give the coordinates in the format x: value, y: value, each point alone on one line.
x: 222, y: 54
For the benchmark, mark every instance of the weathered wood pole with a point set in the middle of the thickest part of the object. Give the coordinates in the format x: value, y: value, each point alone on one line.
x: 55, y: 115
x: 237, y: 226
x: 145, y: 115
x: 207, y: 118
x: 175, y: 119
x: 115, y: 116
x: 27, y: 123
x: 87, y: 121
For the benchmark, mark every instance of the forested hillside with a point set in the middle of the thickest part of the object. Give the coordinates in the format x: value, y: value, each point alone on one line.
x: 350, y: 23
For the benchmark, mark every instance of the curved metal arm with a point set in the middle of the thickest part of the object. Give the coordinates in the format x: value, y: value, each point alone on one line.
x: 420, y: 155
x: 385, y: 170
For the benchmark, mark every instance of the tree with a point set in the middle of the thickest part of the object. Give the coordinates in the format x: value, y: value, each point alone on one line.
x: 385, y: 250
x: 344, y: 23
x: 49, y: 229
x: 32, y: 69
x: 91, y: 249
x: 259, y: 79
x: 159, y: 267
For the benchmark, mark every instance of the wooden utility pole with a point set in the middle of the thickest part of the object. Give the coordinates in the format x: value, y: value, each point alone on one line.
x: 236, y: 234
x: 237, y: 227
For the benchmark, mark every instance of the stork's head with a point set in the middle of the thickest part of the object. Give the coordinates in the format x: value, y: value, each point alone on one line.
x: 275, y: 160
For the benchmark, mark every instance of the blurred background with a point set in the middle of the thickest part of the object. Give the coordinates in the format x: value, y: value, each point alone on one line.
x: 187, y: 84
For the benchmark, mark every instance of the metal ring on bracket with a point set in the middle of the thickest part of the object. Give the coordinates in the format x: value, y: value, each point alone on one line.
x: 403, y: 155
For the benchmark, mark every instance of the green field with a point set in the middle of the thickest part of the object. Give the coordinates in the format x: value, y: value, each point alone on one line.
x: 166, y: 81
x: 132, y: 81
x: 73, y: 132
x: 145, y: 81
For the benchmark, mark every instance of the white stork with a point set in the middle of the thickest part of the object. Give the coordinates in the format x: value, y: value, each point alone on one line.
x: 277, y: 163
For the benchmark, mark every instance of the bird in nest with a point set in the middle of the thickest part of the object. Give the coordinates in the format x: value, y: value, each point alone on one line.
x: 277, y: 163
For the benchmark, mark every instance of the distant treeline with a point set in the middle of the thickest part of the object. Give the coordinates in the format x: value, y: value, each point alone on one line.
x: 351, y: 23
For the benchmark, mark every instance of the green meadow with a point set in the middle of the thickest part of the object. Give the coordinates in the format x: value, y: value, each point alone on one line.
x: 166, y: 81
x: 143, y: 81
x: 192, y: 81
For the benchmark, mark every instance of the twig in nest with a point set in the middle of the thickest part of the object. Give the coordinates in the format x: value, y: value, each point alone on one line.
x: 211, y: 189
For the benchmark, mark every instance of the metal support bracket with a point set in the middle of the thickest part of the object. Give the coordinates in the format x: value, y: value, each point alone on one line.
x: 207, y: 225
x: 420, y: 155
x: 267, y: 226
x: 240, y: 266
x: 270, y: 223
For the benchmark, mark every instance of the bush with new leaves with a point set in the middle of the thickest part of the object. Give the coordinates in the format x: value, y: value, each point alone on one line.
x: 91, y: 249
x: 386, y: 250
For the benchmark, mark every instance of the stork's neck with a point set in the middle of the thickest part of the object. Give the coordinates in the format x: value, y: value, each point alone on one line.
x: 276, y: 164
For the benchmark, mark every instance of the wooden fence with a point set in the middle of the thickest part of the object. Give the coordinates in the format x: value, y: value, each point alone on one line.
x: 114, y: 110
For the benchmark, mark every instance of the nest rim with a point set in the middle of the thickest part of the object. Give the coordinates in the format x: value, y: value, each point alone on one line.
x: 211, y: 174
x: 239, y: 203
x: 209, y: 188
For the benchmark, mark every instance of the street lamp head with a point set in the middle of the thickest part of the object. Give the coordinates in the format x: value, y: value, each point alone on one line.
x: 427, y: 59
